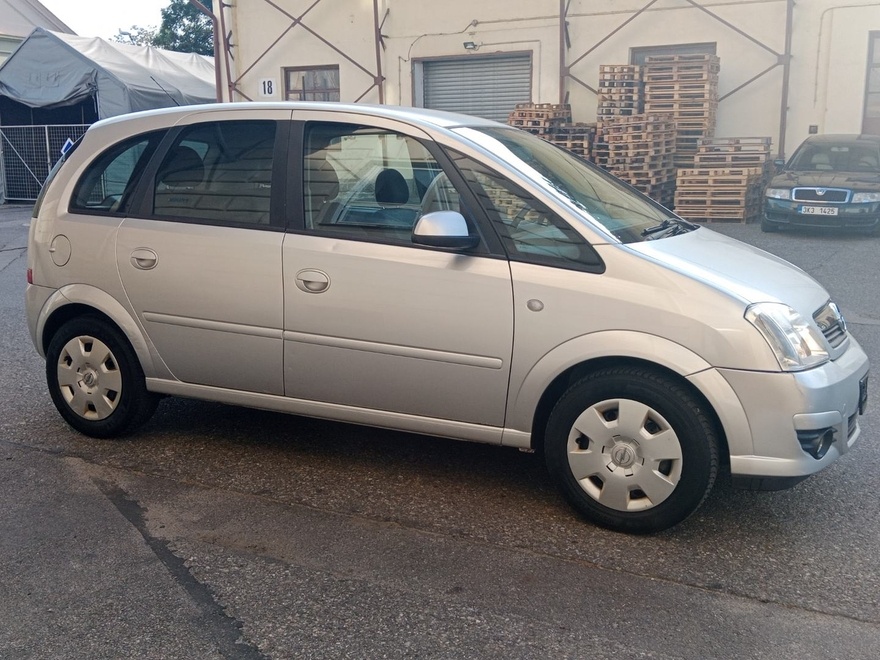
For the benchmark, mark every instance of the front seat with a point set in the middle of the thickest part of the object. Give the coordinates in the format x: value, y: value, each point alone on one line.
x: 821, y: 162
x: 183, y: 169
x: 391, y: 192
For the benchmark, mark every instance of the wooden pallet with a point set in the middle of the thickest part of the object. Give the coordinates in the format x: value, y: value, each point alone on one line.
x: 619, y: 71
x: 719, y: 197
x: 719, y: 177
x: 730, y: 159
x: 738, y: 141
x: 673, y: 74
x: 720, y: 215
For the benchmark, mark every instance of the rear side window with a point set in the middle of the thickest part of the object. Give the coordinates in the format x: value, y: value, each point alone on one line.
x: 218, y: 172
x: 108, y: 182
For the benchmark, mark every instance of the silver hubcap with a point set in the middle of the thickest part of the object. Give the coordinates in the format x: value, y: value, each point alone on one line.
x: 89, y: 378
x: 625, y: 455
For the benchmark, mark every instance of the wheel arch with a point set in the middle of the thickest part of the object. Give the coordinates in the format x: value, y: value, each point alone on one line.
x: 569, y: 362
x: 79, y: 300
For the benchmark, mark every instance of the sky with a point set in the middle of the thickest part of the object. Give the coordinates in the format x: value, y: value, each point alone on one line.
x: 104, y: 18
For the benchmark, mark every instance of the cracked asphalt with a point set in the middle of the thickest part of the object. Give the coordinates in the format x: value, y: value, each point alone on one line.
x: 220, y: 532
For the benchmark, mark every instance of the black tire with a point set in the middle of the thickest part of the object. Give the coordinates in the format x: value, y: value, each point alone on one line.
x: 769, y: 226
x: 95, y: 379
x: 631, y: 484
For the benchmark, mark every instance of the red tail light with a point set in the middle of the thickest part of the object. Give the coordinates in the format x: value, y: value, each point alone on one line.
x: 30, y: 275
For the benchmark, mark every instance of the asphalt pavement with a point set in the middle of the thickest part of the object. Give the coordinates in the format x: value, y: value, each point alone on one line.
x: 220, y: 532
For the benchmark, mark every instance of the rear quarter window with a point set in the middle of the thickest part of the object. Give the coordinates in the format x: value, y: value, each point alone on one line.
x: 106, y: 185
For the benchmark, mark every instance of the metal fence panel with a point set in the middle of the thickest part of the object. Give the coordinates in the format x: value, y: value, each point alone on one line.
x: 29, y: 152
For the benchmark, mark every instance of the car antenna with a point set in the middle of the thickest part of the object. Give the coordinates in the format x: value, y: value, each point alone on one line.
x: 174, y: 100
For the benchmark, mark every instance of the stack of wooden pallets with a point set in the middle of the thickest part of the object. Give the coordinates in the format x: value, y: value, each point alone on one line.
x: 620, y: 91
x: 577, y: 137
x: 553, y: 122
x: 686, y: 87
x: 726, y: 182
x: 639, y: 149
x: 539, y: 118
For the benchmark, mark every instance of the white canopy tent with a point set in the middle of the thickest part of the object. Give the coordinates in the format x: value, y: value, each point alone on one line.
x: 51, y: 69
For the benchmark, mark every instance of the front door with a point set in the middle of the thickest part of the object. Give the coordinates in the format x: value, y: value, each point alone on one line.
x: 373, y: 321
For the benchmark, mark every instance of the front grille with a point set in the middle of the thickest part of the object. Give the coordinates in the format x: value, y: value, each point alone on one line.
x: 831, y: 323
x: 831, y: 195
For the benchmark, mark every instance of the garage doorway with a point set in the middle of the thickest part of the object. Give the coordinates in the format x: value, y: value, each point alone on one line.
x: 487, y: 86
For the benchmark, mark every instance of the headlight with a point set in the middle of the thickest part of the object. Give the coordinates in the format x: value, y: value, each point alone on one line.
x: 797, y: 344
x: 778, y: 193
x: 861, y: 198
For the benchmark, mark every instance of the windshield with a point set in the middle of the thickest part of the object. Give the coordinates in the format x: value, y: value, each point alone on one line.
x: 839, y: 157
x: 628, y: 215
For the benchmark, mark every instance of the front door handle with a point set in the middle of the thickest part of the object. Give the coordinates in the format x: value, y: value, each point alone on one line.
x: 312, y: 281
x: 144, y: 259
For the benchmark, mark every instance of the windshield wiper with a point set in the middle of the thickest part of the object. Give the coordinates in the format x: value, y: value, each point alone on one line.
x: 663, y: 226
x: 668, y: 227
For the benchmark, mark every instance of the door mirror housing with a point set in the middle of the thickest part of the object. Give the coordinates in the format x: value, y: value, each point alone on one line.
x: 444, y: 229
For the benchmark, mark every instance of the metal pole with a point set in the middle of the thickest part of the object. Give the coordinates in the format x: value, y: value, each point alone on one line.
x: 379, y: 79
x: 562, y: 71
x: 786, y: 73
x: 218, y: 81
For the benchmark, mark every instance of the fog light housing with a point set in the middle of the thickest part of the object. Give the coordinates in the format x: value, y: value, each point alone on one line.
x: 816, y: 442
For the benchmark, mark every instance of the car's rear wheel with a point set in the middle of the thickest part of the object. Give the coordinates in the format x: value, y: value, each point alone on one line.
x: 632, y: 449
x: 95, y: 379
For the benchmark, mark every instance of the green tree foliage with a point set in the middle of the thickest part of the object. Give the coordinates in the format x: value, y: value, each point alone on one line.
x: 136, y: 35
x: 185, y: 29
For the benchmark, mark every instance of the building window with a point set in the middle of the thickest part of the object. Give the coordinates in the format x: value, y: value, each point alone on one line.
x: 638, y: 54
x: 871, y: 121
x: 320, y: 83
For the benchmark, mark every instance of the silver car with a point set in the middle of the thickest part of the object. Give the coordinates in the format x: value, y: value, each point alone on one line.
x: 437, y: 274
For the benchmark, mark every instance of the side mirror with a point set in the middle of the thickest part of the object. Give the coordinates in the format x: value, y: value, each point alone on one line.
x: 779, y: 163
x: 444, y: 229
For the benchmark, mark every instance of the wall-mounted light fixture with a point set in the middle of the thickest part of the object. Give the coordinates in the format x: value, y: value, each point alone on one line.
x: 470, y: 45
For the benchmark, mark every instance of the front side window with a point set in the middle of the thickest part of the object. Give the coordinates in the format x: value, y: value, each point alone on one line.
x: 628, y: 215
x: 370, y: 183
x: 109, y: 181
x: 529, y: 230
x: 218, y: 172
x: 311, y: 83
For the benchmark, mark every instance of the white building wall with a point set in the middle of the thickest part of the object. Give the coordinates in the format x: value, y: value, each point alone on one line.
x: 828, y: 66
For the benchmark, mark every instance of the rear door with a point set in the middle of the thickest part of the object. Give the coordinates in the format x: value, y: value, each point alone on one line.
x: 200, y: 258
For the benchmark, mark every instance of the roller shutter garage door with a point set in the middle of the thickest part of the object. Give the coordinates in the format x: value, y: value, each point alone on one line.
x: 485, y: 86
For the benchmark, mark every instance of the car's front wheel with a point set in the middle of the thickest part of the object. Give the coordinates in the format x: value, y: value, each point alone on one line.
x: 95, y: 379
x: 632, y: 449
x: 769, y: 226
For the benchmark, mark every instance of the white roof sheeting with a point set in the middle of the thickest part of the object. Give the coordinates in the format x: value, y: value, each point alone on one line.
x: 19, y: 17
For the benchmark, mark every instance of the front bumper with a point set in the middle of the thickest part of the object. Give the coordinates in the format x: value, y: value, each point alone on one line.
x: 854, y: 216
x: 779, y: 405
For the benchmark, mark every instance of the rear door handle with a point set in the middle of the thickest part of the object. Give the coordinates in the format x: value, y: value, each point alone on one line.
x: 144, y: 259
x: 312, y: 281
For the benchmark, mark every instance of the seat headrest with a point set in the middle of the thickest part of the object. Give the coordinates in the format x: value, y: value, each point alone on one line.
x: 182, y: 166
x: 391, y: 187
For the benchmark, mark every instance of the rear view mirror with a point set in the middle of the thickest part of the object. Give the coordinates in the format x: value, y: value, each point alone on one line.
x: 444, y: 229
